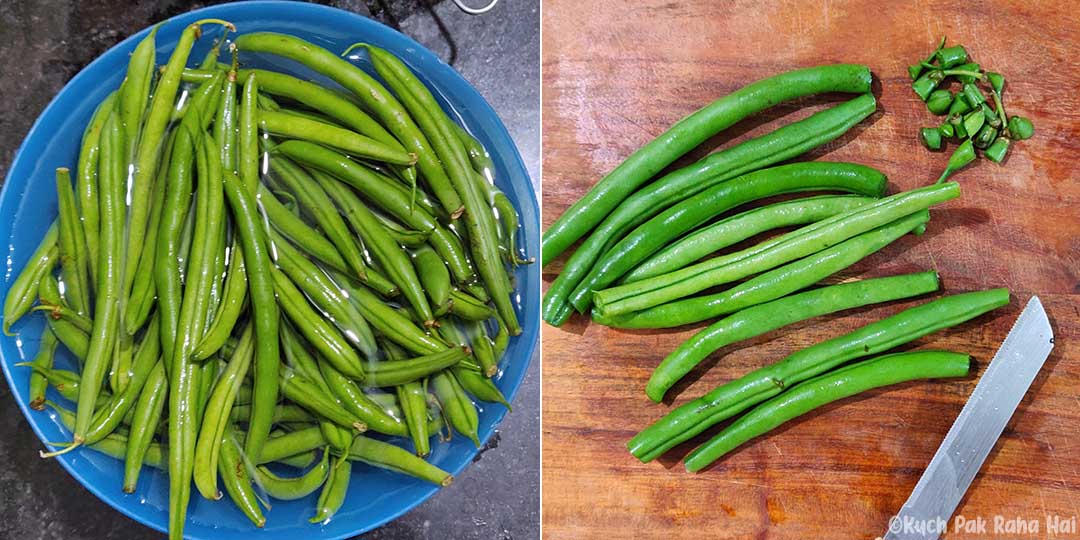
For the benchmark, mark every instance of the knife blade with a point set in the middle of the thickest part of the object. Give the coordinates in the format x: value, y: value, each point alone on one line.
x: 926, y: 513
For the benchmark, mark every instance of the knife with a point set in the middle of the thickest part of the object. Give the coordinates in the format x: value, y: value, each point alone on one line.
x: 926, y: 513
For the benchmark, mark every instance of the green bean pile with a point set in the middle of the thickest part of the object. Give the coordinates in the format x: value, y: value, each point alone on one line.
x: 256, y: 269
x: 653, y: 260
x: 969, y: 116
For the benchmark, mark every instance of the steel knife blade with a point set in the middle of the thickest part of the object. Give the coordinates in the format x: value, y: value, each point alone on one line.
x: 926, y: 513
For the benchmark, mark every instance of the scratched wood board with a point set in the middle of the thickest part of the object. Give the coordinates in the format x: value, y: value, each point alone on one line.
x: 616, y: 74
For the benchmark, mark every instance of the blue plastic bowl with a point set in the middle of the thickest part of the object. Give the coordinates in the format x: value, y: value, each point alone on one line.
x: 28, y: 206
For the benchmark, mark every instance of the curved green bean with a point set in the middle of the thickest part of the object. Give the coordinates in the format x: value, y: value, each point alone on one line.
x: 396, y: 372
x: 24, y: 290
x: 212, y: 429
x: 457, y: 408
x: 394, y: 458
x: 756, y: 320
x: 832, y: 386
x: 238, y: 484
x: 43, y: 360
x: 333, y: 494
x: 731, y: 398
x: 297, y: 127
x: 290, y: 489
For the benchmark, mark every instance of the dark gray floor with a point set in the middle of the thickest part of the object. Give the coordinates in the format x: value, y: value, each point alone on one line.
x: 45, y: 42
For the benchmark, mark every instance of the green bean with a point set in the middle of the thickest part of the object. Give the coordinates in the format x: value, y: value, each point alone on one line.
x: 109, y: 417
x: 225, y: 122
x: 395, y: 372
x: 87, y: 180
x: 389, y: 322
x: 646, y: 162
x: 479, y: 218
x: 359, y: 405
x: 148, y: 411
x: 413, y: 398
x: 292, y: 227
x: 827, y: 388
x: 730, y: 231
x: 784, y: 143
x: 310, y: 397
x: 216, y: 419
x: 501, y: 340
x: 264, y: 307
x: 43, y: 359
x: 120, y: 371
x: 469, y: 308
x: 115, y: 445
x: 229, y: 310
x: 306, y: 366
x: 65, y: 382
x: 60, y: 311
x: 483, y: 347
x: 394, y: 458
x: 507, y: 214
x: 317, y: 203
x: 50, y: 297
x: 387, y: 195
x: 762, y: 384
x: 290, y: 489
x: 401, y: 235
x: 694, y: 211
x: 23, y: 291
x: 282, y: 414
x: 248, y: 140
x: 72, y: 244
x: 303, y: 275
x: 333, y: 493
x: 802, y: 242
x: 372, y: 94
x: 291, y: 444
x: 185, y: 376
x: 234, y: 474
x: 480, y: 386
x: 772, y: 284
x: 110, y: 274
x: 146, y: 159
x: 135, y: 90
x: 297, y: 127
x: 432, y: 273
x: 325, y: 101
x: 200, y: 99
x: 757, y: 320
x: 458, y: 409
x: 331, y: 104
x: 171, y: 251
x: 71, y: 337
x: 383, y: 249
x: 142, y: 295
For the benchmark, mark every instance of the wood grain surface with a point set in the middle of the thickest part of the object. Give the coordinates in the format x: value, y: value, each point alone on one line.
x: 616, y: 74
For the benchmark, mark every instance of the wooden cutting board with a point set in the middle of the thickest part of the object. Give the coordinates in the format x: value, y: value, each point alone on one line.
x: 616, y: 74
